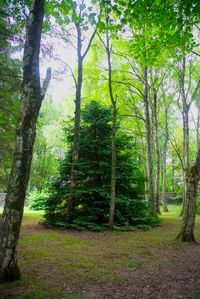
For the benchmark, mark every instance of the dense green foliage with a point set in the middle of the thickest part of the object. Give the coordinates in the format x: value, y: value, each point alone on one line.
x: 9, y: 92
x: 92, y: 192
x: 36, y: 200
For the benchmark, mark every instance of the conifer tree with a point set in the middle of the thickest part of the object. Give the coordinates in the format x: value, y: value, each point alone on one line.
x: 92, y: 192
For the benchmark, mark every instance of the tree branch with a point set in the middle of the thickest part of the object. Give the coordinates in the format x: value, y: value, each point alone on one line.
x: 89, y: 44
x: 46, y: 82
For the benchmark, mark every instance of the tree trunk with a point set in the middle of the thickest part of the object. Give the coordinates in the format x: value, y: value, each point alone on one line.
x: 157, y: 174
x: 185, y: 155
x: 114, y: 128
x: 76, y: 141
x: 187, y: 230
x: 185, y: 119
x: 173, y: 175
x: 32, y: 96
x: 149, y: 161
x: 77, y: 122
x: 113, y: 169
x: 197, y: 127
x: 164, y: 174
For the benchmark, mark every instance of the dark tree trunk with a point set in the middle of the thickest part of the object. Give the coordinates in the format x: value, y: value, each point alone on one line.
x: 187, y: 230
x: 32, y: 96
x: 149, y: 160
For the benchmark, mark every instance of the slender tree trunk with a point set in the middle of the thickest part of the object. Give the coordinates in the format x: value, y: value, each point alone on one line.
x: 185, y: 155
x: 145, y: 174
x: 114, y: 129
x: 185, y: 119
x: 149, y: 160
x: 76, y: 141
x: 32, y: 96
x: 164, y: 173
x: 173, y: 175
x: 157, y: 174
x: 197, y: 127
x: 79, y: 82
x: 113, y: 169
x: 187, y: 230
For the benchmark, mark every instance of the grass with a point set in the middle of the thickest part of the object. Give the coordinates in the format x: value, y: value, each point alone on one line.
x: 55, y: 262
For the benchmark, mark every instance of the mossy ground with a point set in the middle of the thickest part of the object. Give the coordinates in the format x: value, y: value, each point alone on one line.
x: 62, y: 264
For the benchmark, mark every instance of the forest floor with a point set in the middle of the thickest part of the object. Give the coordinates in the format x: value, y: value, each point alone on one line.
x: 86, y: 265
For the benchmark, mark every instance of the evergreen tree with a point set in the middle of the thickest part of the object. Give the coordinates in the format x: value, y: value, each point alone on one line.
x: 93, y: 170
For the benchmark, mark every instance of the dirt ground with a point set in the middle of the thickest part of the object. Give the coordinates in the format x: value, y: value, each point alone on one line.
x: 162, y: 270
x: 181, y: 280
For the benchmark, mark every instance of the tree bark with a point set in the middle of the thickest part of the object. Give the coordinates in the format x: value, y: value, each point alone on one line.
x: 164, y: 173
x: 77, y: 121
x: 186, y: 233
x: 149, y: 161
x: 157, y: 151
x: 185, y: 119
x: 197, y: 127
x: 113, y: 169
x: 173, y: 175
x: 32, y: 96
x: 114, y: 128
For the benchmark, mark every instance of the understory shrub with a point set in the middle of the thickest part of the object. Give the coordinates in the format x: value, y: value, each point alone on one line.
x: 36, y: 200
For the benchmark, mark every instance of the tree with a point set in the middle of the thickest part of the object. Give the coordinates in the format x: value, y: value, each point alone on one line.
x: 149, y: 154
x: 186, y: 233
x: 164, y: 154
x: 92, y: 192
x: 82, y: 17
x: 108, y: 48
x: 31, y: 96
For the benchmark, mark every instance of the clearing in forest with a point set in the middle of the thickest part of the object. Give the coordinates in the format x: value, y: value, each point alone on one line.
x: 69, y: 264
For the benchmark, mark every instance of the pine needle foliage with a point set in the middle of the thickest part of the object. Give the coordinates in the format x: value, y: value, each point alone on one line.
x: 93, y: 175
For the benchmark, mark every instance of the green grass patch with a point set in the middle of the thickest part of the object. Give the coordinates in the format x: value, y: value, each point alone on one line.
x: 56, y: 263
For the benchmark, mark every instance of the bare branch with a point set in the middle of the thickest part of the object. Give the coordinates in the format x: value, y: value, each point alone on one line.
x: 46, y: 82
x: 104, y: 44
x: 89, y: 44
x: 197, y: 54
x: 196, y: 89
x: 190, y: 80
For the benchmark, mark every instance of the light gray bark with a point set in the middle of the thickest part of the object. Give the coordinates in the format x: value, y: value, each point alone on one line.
x: 173, y: 175
x: 113, y: 169
x: 185, y: 120
x: 32, y: 96
x: 114, y: 128
x: 186, y: 233
x: 149, y: 160
x: 157, y: 152
x: 164, y: 174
